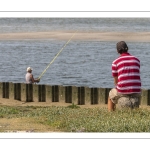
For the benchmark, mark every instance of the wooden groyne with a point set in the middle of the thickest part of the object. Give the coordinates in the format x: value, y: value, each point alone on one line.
x: 57, y: 93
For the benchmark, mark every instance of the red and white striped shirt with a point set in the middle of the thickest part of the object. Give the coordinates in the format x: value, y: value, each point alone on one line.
x: 127, y: 69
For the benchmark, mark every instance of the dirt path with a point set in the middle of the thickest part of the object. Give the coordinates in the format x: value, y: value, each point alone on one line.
x: 12, y: 102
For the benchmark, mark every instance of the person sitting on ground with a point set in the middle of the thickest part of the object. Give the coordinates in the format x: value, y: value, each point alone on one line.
x: 29, y: 77
x: 126, y: 74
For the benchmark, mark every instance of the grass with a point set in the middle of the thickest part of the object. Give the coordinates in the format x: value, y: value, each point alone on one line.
x: 76, y: 119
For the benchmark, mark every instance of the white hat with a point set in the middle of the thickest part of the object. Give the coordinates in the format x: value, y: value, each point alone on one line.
x: 29, y: 69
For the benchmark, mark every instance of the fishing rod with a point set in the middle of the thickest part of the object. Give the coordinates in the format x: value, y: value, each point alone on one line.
x: 55, y: 56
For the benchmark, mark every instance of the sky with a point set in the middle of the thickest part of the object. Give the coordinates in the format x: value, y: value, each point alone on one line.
x: 74, y: 8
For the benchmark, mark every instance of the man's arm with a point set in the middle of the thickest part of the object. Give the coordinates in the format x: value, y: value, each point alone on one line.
x: 115, y: 80
x: 32, y: 79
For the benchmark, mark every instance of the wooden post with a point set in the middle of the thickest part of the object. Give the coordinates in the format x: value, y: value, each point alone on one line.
x: 17, y: 91
x: 23, y: 92
x: 1, y: 89
x: 11, y: 90
x: 68, y: 94
x: 87, y: 95
x: 55, y: 93
x: 74, y: 95
x: 41, y: 93
x: 29, y: 92
x: 148, y: 98
x: 35, y: 93
x: 145, y: 97
x: 103, y: 96
x: 94, y: 96
x: 81, y: 95
x: 62, y: 94
x: 5, y: 90
x: 48, y: 93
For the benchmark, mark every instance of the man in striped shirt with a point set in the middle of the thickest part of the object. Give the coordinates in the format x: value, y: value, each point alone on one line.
x: 126, y: 73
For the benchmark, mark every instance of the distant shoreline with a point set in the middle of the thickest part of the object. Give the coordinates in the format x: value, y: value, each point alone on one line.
x: 85, y: 36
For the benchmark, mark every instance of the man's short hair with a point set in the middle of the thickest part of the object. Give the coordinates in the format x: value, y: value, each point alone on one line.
x: 122, y: 47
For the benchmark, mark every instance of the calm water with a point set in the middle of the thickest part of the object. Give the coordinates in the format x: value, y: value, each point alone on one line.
x: 81, y: 63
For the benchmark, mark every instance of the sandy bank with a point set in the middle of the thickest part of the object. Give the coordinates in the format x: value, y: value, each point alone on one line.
x: 85, y: 36
x: 13, y: 102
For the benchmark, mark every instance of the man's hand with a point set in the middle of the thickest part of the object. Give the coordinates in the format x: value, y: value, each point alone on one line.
x: 37, y: 80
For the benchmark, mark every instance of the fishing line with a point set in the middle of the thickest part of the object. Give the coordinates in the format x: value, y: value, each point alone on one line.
x: 55, y: 56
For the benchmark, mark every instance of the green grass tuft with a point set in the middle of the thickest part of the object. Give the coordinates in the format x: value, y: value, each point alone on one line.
x: 73, y: 106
